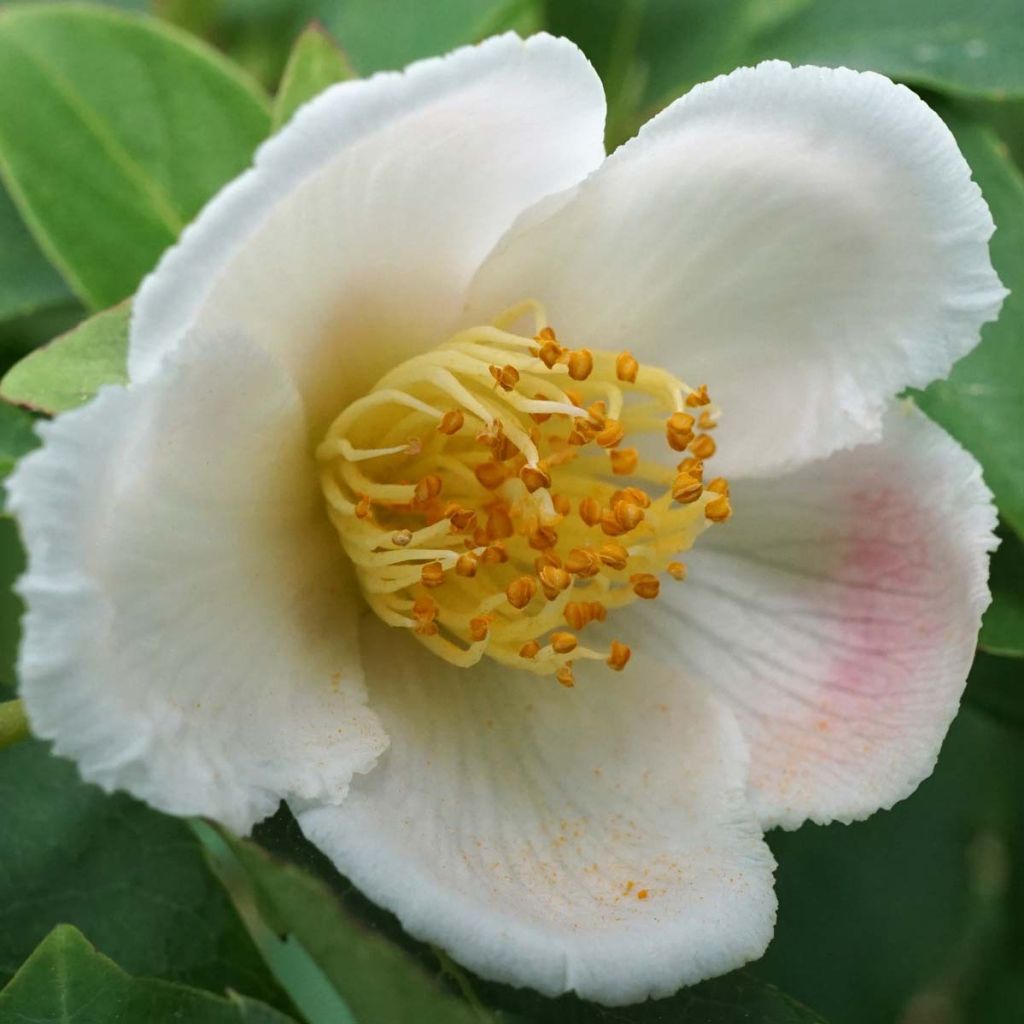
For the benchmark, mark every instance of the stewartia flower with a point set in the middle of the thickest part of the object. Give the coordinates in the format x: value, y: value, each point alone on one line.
x: 540, y: 526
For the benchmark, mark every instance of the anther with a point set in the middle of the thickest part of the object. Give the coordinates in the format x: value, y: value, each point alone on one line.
x: 676, y: 570
x: 520, y: 591
x: 598, y: 612
x: 624, y: 461
x: 543, y: 537
x: 479, y: 626
x: 703, y: 446
x: 402, y: 538
x: 628, y: 515
x: 565, y: 675
x: 698, y: 396
x: 451, y: 422
x: 363, y: 507
x: 554, y: 577
x: 563, y: 643
x: 428, y: 488
x: 626, y: 367
x: 577, y: 614
x: 618, y: 656
x: 499, y: 524
x: 719, y: 509
x: 645, y: 585
x: 582, y: 562
x: 610, y: 525
x: 613, y: 555
x: 490, y: 475
x: 506, y: 377
x: 494, y: 554
x: 466, y: 565
x: 530, y: 649
x: 707, y: 421
x: 562, y: 505
x: 581, y: 363
x: 719, y: 485
x: 540, y: 417
x: 692, y: 466
x: 432, y: 574
x: 590, y: 511
x: 612, y: 433
x: 686, y: 488
x: 534, y: 477
x: 679, y: 431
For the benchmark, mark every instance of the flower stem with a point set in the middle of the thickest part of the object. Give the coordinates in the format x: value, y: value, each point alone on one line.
x: 13, y: 723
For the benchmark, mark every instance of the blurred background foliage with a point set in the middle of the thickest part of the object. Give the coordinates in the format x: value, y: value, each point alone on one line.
x: 913, y: 917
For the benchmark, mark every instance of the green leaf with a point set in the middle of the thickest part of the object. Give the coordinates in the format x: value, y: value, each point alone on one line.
x: 980, y: 402
x: 381, y: 34
x: 67, y: 981
x: 971, y: 49
x: 70, y: 370
x: 131, y: 127
x: 372, y: 981
x: 1002, y: 629
x: 996, y: 686
x: 134, y: 880
x: 27, y: 282
x: 901, y: 917
x: 316, y: 61
x: 648, y: 52
x: 17, y: 437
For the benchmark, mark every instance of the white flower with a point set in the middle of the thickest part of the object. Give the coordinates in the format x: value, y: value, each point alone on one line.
x: 808, y: 242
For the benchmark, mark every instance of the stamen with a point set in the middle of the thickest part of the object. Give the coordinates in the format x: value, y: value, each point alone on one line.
x: 486, y: 507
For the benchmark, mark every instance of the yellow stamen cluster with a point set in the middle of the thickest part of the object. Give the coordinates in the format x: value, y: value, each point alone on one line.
x: 489, y: 497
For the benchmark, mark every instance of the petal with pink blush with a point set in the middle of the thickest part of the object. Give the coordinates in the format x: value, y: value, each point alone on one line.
x: 837, y: 613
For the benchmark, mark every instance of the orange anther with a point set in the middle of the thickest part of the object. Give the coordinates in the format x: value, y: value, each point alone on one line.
x: 618, y: 656
x: 676, y: 570
x: 628, y: 515
x: 563, y: 506
x: 494, y: 554
x: 490, y: 475
x: 506, y: 377
x: 610, y: 525
x: 427, y: 489
x: 540, y: 417
x: 479, y: 626
x: 598, y: 612
x: 543, y: 537
x: 634, y: 495
x: 698, y: 397
x: 613, y: 555
x: 719, y: 485
x: 686, y: 488
x: 462, y: 518
x: 703, y: 446
x: 577, y: 614
x: 707, y: 421
x: 550, y: 352
x: 626, y: 367
x: 575, y: 398
x: 565, y: 675
x: 624, y: 461
x: 718, y: 509
x: 692, y: 466
x: 581, y: 363
x: 645, y: 585
x: 520, y: 591
x: 554, y: 577
x: 423, y: 608
x: 610, y: 436
x: 363, y: 507
x: 467, y: 564
x: 432, y: 574
x: 563, y: 643
x: 582, y: 562
x: 529, y: 649
x: 597, y: 411
x: 451, y: 421
x: 590, y: 511
x: 535, y: 477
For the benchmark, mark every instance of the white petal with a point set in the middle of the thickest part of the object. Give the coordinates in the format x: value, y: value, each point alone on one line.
x: 807, y: 241
x: 837, y: 613
x: 189, y: 636
x: 509, y: 817
x: 350, y: 242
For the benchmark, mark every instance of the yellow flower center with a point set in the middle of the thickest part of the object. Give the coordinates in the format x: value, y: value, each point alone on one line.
x: 492, y: 501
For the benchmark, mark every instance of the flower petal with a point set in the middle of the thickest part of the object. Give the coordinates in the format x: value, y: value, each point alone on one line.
x: 595, y: 840
x: 350, y: 242
x: 188, y: 635
x: 807, y: 241
x: 837, y: 613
